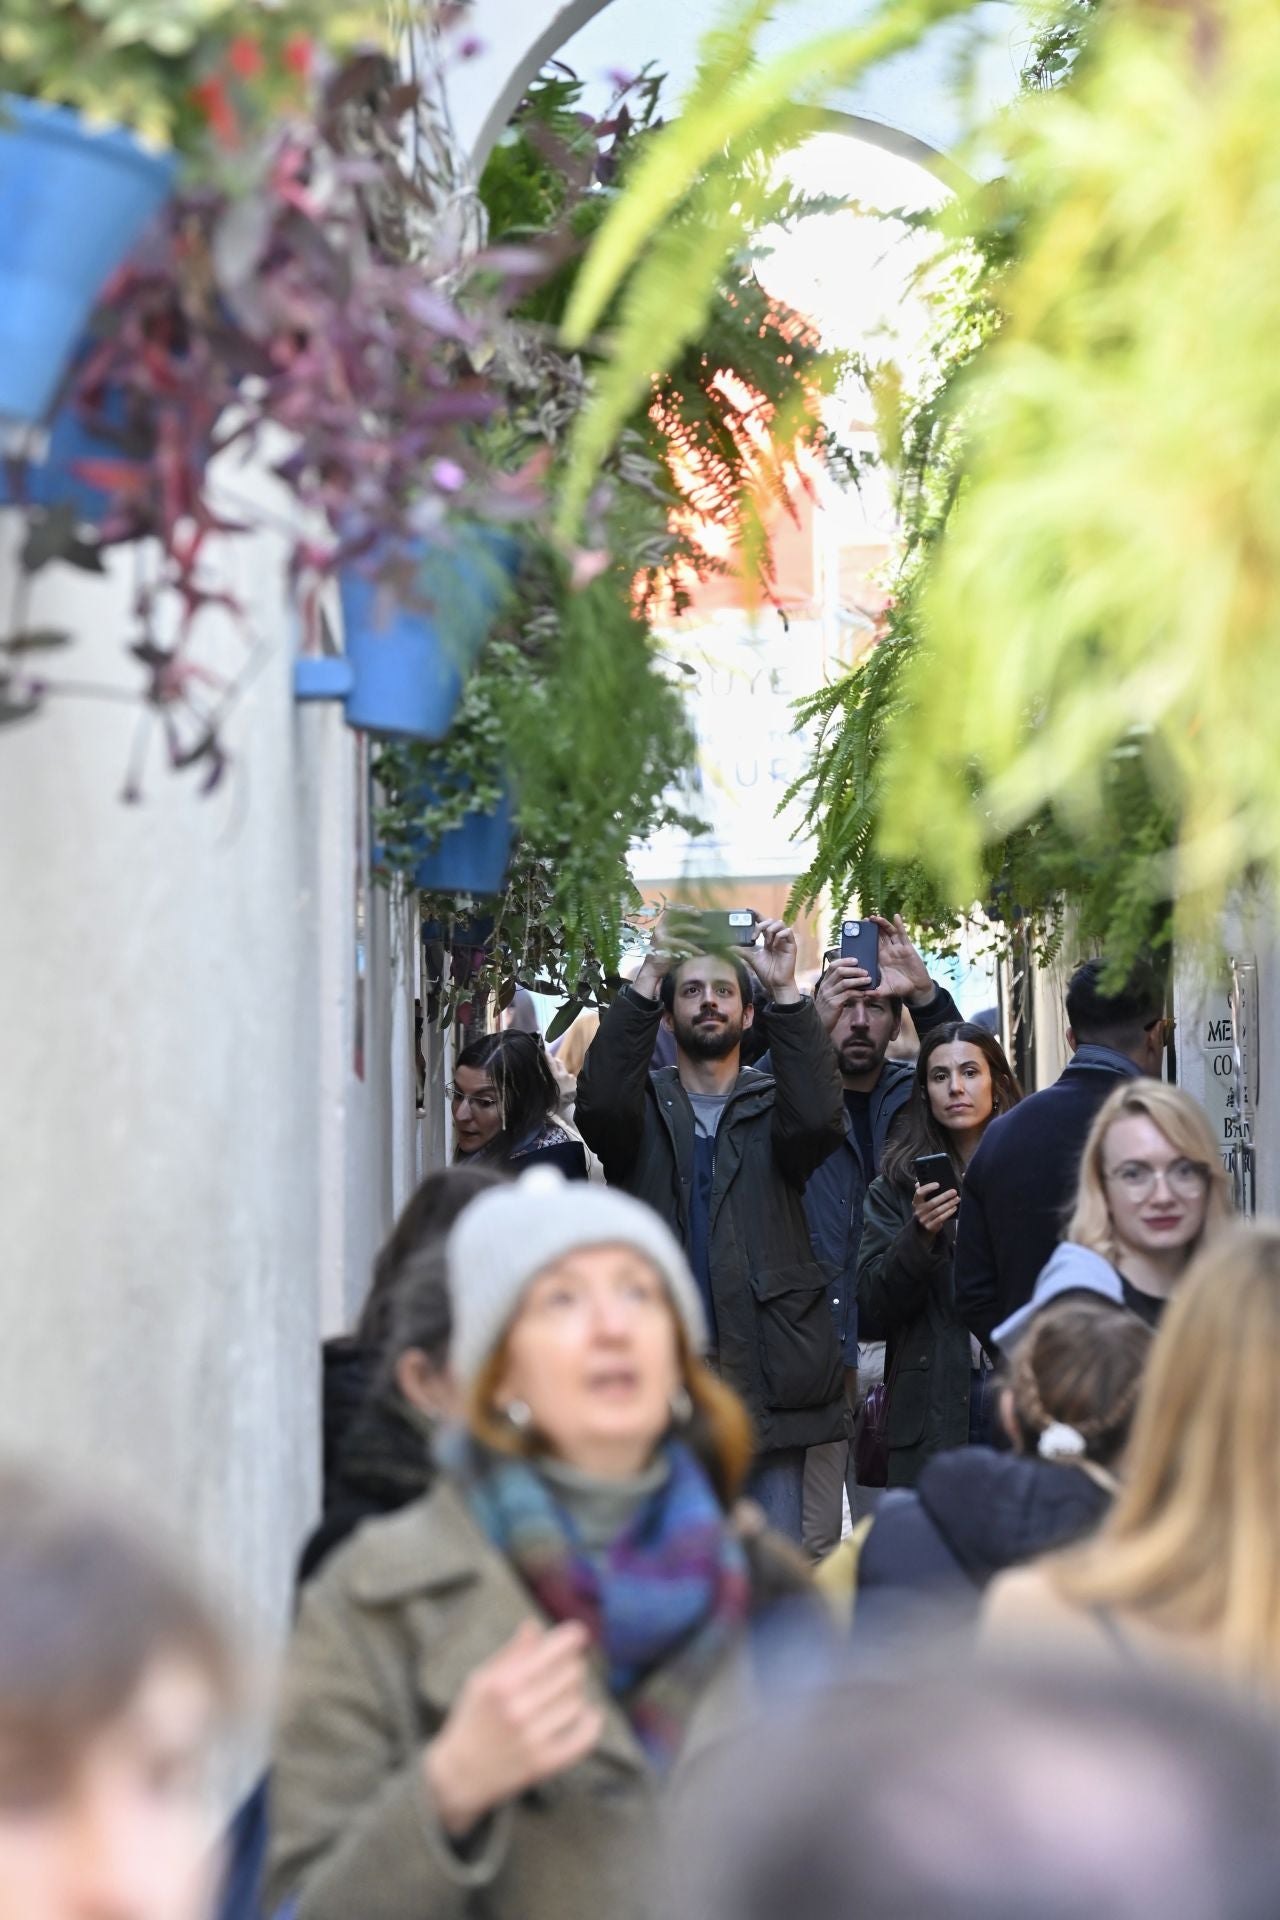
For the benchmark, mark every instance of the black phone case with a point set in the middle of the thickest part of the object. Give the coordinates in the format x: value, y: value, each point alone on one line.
x: 864, y: 947
x: 945, y: 1176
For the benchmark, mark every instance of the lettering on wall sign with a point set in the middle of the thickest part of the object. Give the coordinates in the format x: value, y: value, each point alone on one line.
x: 1228, y: 1095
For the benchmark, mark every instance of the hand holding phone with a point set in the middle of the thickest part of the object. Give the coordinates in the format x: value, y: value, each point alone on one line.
x: 690, y: 930
x: 860, y: 941
x: 936, y: 1169
x: 936, y: 1200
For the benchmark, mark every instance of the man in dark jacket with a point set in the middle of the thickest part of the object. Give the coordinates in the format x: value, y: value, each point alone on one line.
x: 723, y: 1152
x: 862, y: 1023
x: 1021, y: 1184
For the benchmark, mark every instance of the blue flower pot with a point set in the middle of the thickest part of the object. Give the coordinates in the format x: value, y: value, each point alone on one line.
x: 471, y: 858
x: 404, y: 666
x: 72, y: 205
x: 54, y: 482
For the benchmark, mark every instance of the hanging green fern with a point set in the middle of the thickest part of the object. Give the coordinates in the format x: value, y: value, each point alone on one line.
x: 702, y: 185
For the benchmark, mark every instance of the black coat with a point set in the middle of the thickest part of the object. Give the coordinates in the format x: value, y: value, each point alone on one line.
x: 776, y: 1342
x: 834, y: 1196
x: 904, y: 1299
x: 384, y: 1460
x: 1020, y: 1187
x: 973, y: 1514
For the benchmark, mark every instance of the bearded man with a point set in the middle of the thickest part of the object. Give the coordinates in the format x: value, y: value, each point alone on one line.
x: 723, y: 1152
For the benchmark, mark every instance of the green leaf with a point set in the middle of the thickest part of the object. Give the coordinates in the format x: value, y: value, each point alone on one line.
x: 564, y: 1019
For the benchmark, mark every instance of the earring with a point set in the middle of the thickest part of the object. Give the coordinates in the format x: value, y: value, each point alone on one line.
x: 519, y: 1413
x: 681, y: 1404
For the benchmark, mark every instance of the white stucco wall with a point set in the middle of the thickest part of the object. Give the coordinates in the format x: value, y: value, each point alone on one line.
x: 179, y: 1108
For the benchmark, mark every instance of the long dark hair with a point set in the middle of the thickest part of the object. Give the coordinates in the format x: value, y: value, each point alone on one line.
x: 527, y: 1090
x: 917, y: 1132
x: 428, y: 1215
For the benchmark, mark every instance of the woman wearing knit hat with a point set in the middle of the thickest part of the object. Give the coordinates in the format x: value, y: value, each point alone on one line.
x: 489, y: 1695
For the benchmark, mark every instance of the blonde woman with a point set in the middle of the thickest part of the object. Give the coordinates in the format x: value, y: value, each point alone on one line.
x: 1187, y: 1565
x: 1152, y: 1192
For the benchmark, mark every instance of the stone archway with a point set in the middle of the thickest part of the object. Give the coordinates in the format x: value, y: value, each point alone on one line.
x: 519, y: 36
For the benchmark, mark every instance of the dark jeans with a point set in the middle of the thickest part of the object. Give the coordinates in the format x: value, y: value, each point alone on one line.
x: 777, y: 1485
x: 981, y: 1406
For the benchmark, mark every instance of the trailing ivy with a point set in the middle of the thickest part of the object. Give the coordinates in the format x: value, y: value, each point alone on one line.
x: 1110, y: 870
x: 571, y: 706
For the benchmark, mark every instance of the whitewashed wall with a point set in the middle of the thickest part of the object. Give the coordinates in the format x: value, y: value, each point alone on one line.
x: 192, y: 1179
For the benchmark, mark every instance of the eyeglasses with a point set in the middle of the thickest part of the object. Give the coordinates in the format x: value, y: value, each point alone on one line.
x: 1136, y: 1179
x: 478, y: 1102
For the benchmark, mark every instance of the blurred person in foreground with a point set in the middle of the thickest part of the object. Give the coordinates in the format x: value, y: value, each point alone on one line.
x: 491, y: 1697
x: 1019, y: 1189
x: 723, y: 1152
x: 352, y: 1362
x: 1152, y: 1192
x: 1067, y: 1410
x: 989, y: 1793
x: 936, y: 1374
x: 114, y: 1683
x: 387, y: 1457
x: 1186, y: 1567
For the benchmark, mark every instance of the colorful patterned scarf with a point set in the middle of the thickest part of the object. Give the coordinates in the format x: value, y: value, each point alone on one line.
x: 663, y: 1604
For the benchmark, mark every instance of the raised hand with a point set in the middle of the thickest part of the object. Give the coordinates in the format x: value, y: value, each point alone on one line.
x: 775, y: 961
x: 521, y: 1717
x: 657, y: 963
x: 902, y: 971
x: 842, y: 982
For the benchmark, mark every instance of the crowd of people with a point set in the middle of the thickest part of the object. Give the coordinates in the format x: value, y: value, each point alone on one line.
x: 578, y: 1633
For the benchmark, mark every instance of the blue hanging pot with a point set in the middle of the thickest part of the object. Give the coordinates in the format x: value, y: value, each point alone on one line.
x: 471, y: 858
x: 73, y: 202
x: 404, y: 666
x: 54, y: 482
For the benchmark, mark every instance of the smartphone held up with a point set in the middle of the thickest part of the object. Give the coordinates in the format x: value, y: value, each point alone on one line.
x: 860, y: 941
x: 694, y: 930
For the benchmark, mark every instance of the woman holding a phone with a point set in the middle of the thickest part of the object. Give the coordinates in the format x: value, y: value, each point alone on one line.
x: 934, y: 1377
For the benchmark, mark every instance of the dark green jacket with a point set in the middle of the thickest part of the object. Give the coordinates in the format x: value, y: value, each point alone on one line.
x: 777, y: 1343
x: 904, y: 1298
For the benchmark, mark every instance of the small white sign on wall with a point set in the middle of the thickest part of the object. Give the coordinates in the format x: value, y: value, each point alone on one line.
x: 1219, y: 1041
x: 1226, y: 1101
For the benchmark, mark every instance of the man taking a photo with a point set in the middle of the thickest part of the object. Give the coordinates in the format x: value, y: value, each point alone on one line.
x: 723, y: 1153
x: 862, y: 1021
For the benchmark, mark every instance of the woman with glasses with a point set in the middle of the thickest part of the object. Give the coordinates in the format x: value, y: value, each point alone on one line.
x: 1186, y: 1566
x: 1152, y: 1191
x: 504, y: 1099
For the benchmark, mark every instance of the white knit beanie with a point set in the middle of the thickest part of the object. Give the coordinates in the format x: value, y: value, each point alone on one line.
x: 506, y: 1238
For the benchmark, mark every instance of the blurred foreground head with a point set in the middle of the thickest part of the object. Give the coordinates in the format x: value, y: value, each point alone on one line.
x: 993, y: 1794
x: 113, y: 1678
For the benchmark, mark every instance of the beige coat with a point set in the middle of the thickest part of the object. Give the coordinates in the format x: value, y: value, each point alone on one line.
x: 385, y: 1639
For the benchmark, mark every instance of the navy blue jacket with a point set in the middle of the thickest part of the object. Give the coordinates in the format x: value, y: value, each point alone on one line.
x: 974, y: 1513
x: 834, y: 1197
x: 1020, y: 1188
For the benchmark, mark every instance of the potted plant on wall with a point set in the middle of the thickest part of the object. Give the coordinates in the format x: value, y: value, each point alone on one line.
x: 288, y: 321
x: 98, y: 103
